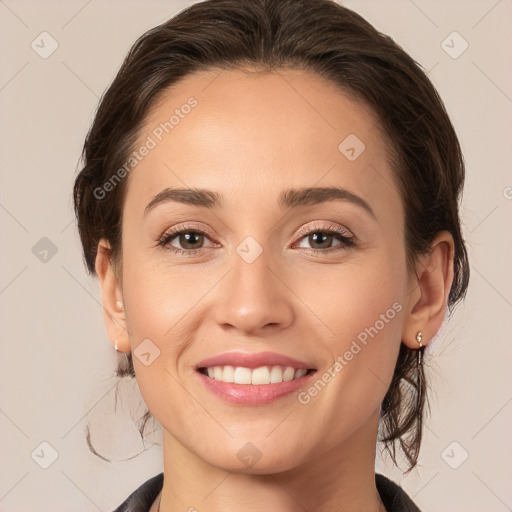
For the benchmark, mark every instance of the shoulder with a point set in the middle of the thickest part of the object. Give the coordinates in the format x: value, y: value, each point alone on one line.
x: 143, y: 497
x: 395, y: 499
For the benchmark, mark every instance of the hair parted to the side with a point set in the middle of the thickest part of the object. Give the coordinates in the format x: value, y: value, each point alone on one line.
x: 337, y: 44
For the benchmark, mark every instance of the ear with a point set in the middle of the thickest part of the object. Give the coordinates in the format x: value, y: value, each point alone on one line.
x: 112, y: 298
x: 427, y: 305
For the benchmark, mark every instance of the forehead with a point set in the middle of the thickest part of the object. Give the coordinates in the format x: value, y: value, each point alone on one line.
x: 247, y: 129
x: 293, y: 99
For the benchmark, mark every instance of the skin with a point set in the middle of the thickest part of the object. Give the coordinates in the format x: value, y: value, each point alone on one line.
x: 251, y: 136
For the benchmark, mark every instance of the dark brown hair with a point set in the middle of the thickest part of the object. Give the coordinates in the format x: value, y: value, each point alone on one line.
x: 332, y: 41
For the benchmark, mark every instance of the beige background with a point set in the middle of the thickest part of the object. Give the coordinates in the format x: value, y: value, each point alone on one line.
x: 56, y: 363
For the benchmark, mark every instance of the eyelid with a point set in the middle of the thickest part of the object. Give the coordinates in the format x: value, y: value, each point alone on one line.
x: 174, y: 231
x: 188, y: 227
x: 340, y: 230
x: 348, y: 239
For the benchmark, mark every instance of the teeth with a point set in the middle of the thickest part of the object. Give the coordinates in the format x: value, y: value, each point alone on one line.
x: 300, y: 373
x: 228, y: 375
x: 288, y: 373
x: 276, y: 374
x: 256, y: 376
x: 217, y: 372
x: 260, y: 376
x: 242, y: 375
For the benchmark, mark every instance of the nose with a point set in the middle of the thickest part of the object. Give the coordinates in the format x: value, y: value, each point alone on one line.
x: 253, y: 299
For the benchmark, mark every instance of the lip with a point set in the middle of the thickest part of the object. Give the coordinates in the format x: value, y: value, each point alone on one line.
x: 249, y: 394
x: 256, y: 360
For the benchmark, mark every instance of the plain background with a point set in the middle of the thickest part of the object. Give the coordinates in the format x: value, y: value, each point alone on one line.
x: 56, y: 361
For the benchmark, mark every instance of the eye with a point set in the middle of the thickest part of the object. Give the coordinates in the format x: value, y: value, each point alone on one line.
x: 322, y: 239
x: 185, y: 240
x: 189, y: 240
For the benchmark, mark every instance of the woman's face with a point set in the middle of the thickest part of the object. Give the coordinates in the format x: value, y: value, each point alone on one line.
x: 291, y: 255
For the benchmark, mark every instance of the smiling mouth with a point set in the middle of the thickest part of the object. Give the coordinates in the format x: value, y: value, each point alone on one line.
x: 254, y: 376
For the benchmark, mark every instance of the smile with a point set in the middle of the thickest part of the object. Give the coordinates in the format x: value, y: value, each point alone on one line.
x: 253, y: 379
x: 255, y: 376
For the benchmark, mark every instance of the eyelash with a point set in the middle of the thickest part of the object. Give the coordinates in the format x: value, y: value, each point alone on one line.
x: 341, y: 234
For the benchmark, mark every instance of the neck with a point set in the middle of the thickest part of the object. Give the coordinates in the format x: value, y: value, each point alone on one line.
x: 343, y: 478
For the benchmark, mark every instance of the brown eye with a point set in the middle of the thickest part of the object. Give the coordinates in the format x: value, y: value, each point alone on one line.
x: 190, y: 240
x: 326, y: 239
x: 185, y: 240
x: 320, y: 240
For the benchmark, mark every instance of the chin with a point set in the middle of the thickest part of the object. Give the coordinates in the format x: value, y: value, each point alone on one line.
x: 256, y: 457
x: 263, y: 466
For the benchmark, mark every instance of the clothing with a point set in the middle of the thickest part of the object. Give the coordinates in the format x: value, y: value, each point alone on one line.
x: 392, y: 495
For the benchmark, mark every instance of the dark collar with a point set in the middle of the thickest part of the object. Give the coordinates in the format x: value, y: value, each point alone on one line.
x: 392, y: 495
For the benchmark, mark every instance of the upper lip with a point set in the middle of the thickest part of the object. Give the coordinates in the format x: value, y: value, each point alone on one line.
x: 254, y: 360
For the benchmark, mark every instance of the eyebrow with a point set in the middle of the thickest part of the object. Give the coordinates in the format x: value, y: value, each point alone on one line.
x: 291, y: 198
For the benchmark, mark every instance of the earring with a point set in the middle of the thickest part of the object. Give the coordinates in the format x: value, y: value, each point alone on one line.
x: 119, y: 304
x: 115, y: 346
x: 419, y: 337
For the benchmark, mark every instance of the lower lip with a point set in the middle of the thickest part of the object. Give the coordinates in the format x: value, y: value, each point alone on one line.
x: 250, y: 394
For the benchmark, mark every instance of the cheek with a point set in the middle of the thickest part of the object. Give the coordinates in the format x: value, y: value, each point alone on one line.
x: 162, y: 314
x: 366, y: 318
x: 359, y: 312
x: 159, y: 297
x: 349, y: 300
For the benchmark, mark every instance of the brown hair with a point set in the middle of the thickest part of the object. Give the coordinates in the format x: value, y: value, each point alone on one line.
x: 318, y: 36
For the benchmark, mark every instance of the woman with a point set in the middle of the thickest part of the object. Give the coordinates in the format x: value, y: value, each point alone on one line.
x: 269, y: 198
